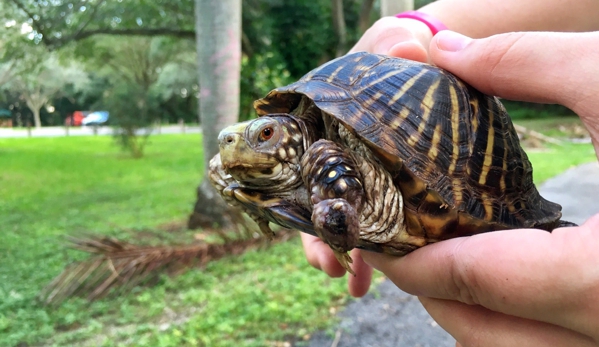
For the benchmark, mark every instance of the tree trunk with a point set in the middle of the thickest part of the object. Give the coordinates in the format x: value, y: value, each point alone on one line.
x: 339, y: 25
x: 365, y: 10
x: 218, y: 35
x: 393, y: 7
x: 36, y: 117
x: 35, y: 101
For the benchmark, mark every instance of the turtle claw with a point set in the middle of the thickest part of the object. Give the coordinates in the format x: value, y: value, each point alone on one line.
x: 345, y: 259
x: 265, y: 228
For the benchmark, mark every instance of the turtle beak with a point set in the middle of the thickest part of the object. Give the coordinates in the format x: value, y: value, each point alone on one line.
x: 232, y: 145
x: 231, y: 135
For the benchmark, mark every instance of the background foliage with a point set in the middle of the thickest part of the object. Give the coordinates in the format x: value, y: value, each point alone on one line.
x: 150, y: 43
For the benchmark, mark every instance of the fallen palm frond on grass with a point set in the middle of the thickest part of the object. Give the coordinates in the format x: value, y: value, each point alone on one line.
x: 117, y: 265
x: 535, y: 136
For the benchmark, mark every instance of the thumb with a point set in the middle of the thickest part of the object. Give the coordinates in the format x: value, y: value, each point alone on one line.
x: 528, y: 66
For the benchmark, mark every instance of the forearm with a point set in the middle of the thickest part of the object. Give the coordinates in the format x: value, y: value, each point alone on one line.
x: 482, y: 18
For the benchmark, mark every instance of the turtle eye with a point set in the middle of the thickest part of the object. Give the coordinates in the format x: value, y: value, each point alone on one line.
x: 266, y: 133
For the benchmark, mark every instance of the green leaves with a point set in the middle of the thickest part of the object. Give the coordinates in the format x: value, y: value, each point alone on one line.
x: 61, y: 22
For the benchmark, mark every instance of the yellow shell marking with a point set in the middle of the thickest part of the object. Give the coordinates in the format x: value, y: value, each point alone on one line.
x: 403, y: 115
x: 455, y: 124
x: 488, y: 204
x: 504, y: 166
x: 458, y: 196
x: 433, y: 152
x: 488, y: 152
x: 474, y: 108
x: 370, y: 101
x: 334, y: 74
x: 427, y: 103
x: 457, y: 184
x: 406, y: 86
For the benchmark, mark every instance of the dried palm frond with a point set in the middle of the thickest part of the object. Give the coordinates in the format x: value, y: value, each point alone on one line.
x: 117, y: 264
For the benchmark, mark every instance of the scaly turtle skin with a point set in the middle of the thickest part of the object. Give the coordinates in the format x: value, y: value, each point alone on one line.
x: 383, y: 154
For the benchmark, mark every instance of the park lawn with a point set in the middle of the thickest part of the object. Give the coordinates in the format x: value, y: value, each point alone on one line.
x: 52, y: 187
x: 557, y: 159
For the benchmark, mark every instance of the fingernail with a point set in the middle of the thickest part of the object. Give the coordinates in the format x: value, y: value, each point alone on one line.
x: 451, y: 41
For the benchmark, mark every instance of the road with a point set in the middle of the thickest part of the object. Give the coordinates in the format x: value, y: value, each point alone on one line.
x: 87, y: 131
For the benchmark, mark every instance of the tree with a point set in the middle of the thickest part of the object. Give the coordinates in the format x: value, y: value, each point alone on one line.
x: 218, y: 32
x: 393, y: 7
x: 135, y: 60
x: 40, y: 76
x: 13, y: 45
x: 339, y: 24
x: 141, y: 71
x: 57, y: 23
x: 280, y: 41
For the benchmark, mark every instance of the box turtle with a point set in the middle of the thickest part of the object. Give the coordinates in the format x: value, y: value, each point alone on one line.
x: 383, y: 154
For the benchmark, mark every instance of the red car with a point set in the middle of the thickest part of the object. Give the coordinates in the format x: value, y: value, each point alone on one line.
x: 76, y: 118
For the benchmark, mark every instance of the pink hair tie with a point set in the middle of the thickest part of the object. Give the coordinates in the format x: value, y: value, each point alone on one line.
x: 431, y: 22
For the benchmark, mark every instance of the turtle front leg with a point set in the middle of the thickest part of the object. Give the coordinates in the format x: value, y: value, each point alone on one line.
x: 224, y: 184
x: 332, y: 177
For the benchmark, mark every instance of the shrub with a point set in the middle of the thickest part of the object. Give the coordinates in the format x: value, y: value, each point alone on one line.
x: 132, y: 114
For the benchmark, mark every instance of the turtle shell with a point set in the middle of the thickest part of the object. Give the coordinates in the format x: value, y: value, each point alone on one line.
x: 453, y: 150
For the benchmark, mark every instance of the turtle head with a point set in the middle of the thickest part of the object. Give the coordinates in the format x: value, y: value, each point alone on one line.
x: 265, y: 152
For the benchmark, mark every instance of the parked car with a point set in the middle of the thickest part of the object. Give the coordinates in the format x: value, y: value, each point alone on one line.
x: 76, y: 118
x: 5, y: 118
x: 95, y: 118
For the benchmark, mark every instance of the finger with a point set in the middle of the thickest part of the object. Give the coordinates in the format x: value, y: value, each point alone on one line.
x: 413, y: 50
x: 390, y: 31
x: 320, y: 256
x: 478, y: 326
x: 538, y: 67
x: 358, y: 285
x: 527, y: 273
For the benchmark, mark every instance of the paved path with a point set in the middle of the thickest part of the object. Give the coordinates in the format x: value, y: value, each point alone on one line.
x: 87, y: 131
x: 392, y: 318
x: 577, y: 190
x: 388, y: 317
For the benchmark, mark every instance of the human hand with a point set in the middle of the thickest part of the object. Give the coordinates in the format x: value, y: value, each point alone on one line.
x: 397, y: 37
x: 540, y: 67
x: 514, y: 287
x: 534, y: 66
x: 522, y: 287
x: 320, y: 256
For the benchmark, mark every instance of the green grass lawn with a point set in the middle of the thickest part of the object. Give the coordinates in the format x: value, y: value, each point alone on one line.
x: 52, y: 187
